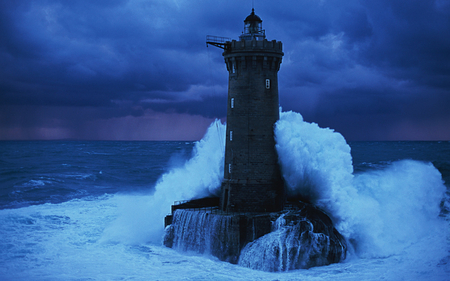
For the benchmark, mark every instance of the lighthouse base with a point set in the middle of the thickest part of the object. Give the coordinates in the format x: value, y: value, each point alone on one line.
x: 300, y: 236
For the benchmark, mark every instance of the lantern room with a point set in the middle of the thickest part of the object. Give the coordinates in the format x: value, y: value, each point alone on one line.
x: 253, y: 28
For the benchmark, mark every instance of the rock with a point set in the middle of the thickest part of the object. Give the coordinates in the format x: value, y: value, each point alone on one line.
x: 169, y: 236
x: 301, y: 238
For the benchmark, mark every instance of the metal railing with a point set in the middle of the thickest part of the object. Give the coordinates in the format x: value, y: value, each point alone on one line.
x: 217, y: 39
x: 220, y: 42
x: 217, y: 210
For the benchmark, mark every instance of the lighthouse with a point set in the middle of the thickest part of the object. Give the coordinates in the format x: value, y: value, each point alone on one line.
x: 252, y: 223
x: 252, y: 178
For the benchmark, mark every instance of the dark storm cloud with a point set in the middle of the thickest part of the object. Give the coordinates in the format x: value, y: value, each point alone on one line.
x: 89, y: 53
x: 368, y: 69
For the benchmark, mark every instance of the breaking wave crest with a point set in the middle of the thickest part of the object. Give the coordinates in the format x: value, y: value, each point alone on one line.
x: 142, y: 217
x: 379, y: 212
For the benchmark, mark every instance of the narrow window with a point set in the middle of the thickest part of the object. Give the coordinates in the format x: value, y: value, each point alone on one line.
x: 233, y: 68
x: 231, y: 135
x: 267, y: 83
x: 229, y: 168
x: 232, y: 102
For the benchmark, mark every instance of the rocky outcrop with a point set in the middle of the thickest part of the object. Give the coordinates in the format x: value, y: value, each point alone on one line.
x: 300, y: 237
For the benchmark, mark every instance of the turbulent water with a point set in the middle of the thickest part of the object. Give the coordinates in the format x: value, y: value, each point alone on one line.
x: 94, y: 210
x: 205, y: 233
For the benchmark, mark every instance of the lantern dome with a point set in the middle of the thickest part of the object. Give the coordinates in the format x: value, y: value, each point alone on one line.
x: 253, y: 28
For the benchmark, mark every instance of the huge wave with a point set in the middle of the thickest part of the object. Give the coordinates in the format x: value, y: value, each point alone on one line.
x: 142, y: 217
x: 379, y: 212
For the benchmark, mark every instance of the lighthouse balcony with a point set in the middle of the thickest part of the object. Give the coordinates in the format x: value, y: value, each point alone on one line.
x: 256, y: 44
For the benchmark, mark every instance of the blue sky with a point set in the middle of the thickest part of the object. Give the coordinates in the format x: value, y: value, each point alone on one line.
x: 140, y: 70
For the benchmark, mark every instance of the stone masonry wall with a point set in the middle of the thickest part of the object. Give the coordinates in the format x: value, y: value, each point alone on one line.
x: 252, y: 178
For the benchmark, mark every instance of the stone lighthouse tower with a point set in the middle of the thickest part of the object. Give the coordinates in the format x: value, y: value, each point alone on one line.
x: 252, y: 177
x: 252, y: 193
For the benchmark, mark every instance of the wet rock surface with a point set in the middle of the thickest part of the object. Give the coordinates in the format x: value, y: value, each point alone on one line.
x: 301, y: 236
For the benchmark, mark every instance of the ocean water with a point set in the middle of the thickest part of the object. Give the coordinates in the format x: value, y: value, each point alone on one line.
x: 80, y: 210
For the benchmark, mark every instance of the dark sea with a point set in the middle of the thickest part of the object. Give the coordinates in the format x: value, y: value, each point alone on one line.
x: 39, y: 172
x: 92, y: 210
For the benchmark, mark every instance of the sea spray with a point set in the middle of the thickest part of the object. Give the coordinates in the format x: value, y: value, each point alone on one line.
x: 59, y: 241
x: 379, y: 212
x: 205, y: 232
x: 316, y: 163
x: 404, y: 207
x: 142, y: 216
x: 299, y: 239
x: 317, y: 166
x: 285, y: 248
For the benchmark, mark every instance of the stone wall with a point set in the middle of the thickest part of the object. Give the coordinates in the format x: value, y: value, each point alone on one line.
x: 219, y: 234
x: 252, y: 177
x: 299, y: 237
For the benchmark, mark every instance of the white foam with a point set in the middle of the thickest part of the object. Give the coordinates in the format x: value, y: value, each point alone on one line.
x: 61, y: 242
x: 390, y: 213
x: 380, y: 212
x: 316, y: 162
x: 396, y: 207
x: 142, y: 217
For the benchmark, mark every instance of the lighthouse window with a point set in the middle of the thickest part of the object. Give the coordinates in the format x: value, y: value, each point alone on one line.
x: 233, y: 68
x: 267, y: 83
x: 231, y: 135
x: 232, y: 102
x: 229, y: 168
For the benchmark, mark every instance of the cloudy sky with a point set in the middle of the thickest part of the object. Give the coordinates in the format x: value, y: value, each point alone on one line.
x: 140, y: 69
